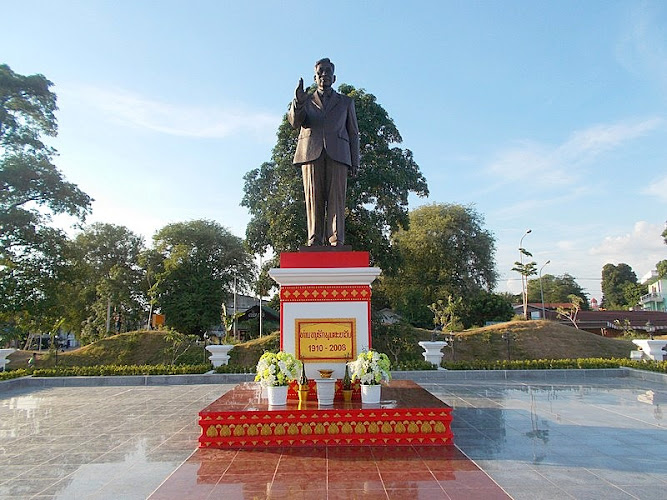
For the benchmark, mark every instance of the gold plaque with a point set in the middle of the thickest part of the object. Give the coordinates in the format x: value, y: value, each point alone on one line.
x: 327, y: 339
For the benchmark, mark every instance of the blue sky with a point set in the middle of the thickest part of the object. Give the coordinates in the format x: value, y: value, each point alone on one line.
x: 550, y: 116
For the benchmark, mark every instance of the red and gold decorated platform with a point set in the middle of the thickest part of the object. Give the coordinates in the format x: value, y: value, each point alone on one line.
x: 407, y: 415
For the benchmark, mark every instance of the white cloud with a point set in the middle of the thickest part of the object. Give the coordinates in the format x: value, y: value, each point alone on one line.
x: 657, y: 188
x: 547, y: 166
x: 641, y: 248
x: 133, y: 110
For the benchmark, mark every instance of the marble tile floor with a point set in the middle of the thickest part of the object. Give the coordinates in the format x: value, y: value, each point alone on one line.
x: 400, y: 472
x: 588, y: 438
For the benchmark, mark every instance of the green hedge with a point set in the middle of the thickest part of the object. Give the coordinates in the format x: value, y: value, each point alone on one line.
x: 555, y: 364
x: 122, y: 370
x: 534, y: 364
x: 235, y: 369
x: 416, y: 365
x: 21, y: 372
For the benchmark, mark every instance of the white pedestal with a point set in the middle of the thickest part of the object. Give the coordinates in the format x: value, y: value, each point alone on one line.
x: 338, y: 299
x: 326, y: 390
x: 3, y: 357
x: 219, y: 354
x: 432, y: 351
x: 652, y: 348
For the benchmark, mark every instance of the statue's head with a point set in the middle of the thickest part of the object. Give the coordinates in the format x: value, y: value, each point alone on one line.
x: 324, y: 73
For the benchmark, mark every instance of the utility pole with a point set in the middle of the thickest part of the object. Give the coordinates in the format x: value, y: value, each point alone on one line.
x: 524, y: 278
x: 108, y: 314
x: 259, y: 292
x: 235, y: 308
x: 542, y: 291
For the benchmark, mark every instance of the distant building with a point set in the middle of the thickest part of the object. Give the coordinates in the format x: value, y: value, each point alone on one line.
x: 243, y: 303
x: 654, y: 300
x: 600, y: 322
x: 388, y: 316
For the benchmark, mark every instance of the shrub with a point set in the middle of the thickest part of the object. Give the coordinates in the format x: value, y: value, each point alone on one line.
x: 21, y: 372
x: 418, y: 364
x: 120, y: 370
x: 553, y: 364
x: 235, y: 369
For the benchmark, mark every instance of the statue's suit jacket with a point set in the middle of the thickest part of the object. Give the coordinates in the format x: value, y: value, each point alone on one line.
x: 333, y: 129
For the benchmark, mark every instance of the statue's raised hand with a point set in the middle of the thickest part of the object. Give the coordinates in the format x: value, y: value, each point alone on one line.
x: 300, y: 94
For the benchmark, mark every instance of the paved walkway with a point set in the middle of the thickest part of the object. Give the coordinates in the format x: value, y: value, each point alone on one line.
x: 573, y: 438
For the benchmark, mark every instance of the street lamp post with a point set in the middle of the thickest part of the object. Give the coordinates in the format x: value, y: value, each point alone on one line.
x: 508, y: 337
x: 524, y: 278
x: 542, y: 291
x: 451, y: 340
x: 650, y: 329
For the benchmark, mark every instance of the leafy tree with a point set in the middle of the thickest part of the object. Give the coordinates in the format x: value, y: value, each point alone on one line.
x: 446, y: 314
x: 572, y: 310
x: 108, y: 282
x: 446, y: 251
x: 525, y: 270
x: 556, y: 289
x: 199, y: 260
x: 398, y: 340
x: 664, y: 235
x: 661, y: 267
x: 614, y: 278
x: 486, y: 306
x: 632, y: 293
x: 32, y: 190
x: 377, y: 198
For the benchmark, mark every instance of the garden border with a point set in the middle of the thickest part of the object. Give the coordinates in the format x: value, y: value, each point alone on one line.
x: 420, y: 376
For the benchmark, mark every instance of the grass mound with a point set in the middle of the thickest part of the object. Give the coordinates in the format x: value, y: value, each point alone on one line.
x: 530, y: 340
x: 536, y: 340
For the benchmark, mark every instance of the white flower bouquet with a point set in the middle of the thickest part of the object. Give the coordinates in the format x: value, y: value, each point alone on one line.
x: 371, y: 368
x: 277, y: 369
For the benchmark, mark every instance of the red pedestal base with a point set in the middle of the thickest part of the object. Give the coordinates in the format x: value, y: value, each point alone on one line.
x: 407, y: 415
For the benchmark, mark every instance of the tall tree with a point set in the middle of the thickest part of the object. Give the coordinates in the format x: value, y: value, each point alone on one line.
x: 556, y: 289
x: 446, y: 251
x: 661, y: 267
x: 614, y: 279
x: 199, y: 261
x: 32, y: 190
x: 486, y: 306
x: 106, y: 292
x: 377, y: 198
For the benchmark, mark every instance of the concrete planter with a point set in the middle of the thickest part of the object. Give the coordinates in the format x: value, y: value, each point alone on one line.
x: 3, y: 357
x: 432, y: 351
x: 219, y: 354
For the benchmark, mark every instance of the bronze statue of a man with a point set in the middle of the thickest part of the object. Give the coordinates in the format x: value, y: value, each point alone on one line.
x: 328, y: 149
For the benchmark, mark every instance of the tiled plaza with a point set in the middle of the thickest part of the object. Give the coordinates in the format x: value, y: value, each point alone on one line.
x: 555, y: 437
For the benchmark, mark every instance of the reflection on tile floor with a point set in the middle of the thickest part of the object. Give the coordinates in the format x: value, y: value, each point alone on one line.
x: 587, y: 438
x: 405, y: 472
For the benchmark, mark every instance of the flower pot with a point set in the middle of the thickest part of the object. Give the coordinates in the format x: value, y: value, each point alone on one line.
x: 277, y: 395
x: 370, y: 394
x: 347, y: 395
x: 326, y: 390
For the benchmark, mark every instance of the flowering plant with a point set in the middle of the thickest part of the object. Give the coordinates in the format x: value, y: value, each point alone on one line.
x: 371, y: 367
x: 277, y: 369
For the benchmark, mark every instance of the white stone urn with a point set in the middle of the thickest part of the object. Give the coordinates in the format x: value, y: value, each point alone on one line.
x: 219, y: 354
x: 3, y: 357
x: 432, y: 351
x: 652, y: 348
x: 326, y: 390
